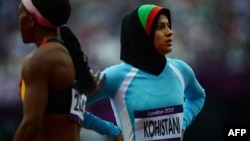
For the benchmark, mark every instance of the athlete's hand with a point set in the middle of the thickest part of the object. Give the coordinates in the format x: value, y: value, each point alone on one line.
x: 182, y: 134
x: 98, y: 80
x: 118, y: 138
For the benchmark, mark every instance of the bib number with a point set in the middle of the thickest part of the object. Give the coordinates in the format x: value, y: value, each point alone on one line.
x: 77, y: 106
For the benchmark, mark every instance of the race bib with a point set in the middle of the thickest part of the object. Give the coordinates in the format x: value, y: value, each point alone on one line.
x: 161, y: 124
x: 77, y: 108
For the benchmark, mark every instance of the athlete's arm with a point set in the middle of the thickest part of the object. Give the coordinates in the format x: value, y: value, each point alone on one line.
x: 110, y: 85
x: 194, y: 99
x: 35, y: 73
x: 194, y: 94
x: 108, y: 89
x: 100, y: 126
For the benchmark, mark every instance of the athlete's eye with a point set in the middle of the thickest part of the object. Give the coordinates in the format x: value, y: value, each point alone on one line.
x: 160, y: 26
x: 168, y: 25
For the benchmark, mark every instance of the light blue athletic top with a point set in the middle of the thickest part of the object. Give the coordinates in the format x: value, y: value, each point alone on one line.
x: 100, y: 126
x: 149, y: 107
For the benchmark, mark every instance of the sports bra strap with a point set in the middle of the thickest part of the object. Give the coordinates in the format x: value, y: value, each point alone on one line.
x: 51, y: 40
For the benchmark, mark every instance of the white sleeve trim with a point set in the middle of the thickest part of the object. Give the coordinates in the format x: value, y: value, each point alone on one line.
x: 179, y: 75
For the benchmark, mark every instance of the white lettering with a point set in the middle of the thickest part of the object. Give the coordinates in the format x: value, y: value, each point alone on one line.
x: 243, y: 131
x: 155, y: 113
x: 231, y: 132
x: 235, y: 132
x: 169, y: 110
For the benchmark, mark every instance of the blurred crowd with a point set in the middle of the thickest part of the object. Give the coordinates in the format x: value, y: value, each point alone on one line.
x: 213, y: 36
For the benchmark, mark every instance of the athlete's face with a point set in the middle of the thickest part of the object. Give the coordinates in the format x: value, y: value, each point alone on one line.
x: 26, y: 23
x: 163, y: 36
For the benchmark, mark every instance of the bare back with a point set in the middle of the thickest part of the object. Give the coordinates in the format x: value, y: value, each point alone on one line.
x: 48, y: 68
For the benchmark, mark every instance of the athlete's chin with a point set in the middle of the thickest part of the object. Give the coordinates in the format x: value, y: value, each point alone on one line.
x: 168, y: 48
x: 166, y: 51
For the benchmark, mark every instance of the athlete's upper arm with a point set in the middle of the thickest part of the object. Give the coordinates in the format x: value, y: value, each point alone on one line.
x: 36, y: 78
x: 192, y: 89
x: 108, y: 89
x: 194, y: 94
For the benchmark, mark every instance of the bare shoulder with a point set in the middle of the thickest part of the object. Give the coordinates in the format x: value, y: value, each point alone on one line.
x: 58, y: 63
x: 46, y: 58
x: 52, y: 52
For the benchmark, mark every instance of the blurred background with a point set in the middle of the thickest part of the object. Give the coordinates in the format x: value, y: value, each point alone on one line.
x: 212, y: 36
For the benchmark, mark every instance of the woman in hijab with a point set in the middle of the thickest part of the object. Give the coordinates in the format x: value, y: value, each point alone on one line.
x: 153, y: 97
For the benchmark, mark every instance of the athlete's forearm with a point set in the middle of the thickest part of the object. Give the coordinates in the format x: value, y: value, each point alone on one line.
x: 100, y: 126
x: 191, y: 109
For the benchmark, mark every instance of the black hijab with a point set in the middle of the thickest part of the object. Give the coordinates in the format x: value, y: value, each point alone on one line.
x: 137, y: 39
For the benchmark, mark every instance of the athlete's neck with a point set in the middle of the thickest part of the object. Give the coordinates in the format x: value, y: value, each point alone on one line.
x: 43, y: 34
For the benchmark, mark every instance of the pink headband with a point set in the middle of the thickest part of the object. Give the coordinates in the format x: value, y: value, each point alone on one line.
x: 32, y: 9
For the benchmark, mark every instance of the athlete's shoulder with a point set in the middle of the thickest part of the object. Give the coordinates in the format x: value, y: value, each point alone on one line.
x: 118, y: 69
x: 181, y: 65
x: 116, y: 74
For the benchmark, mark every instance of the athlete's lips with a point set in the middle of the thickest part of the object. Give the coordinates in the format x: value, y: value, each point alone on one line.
x: 168, y: 41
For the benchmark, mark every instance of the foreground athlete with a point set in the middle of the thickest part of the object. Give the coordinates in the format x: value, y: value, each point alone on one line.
x: 154, y: 97
x: 55, y: 76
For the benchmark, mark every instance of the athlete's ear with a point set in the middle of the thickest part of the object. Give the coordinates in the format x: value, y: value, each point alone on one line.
x: 33, y: 21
